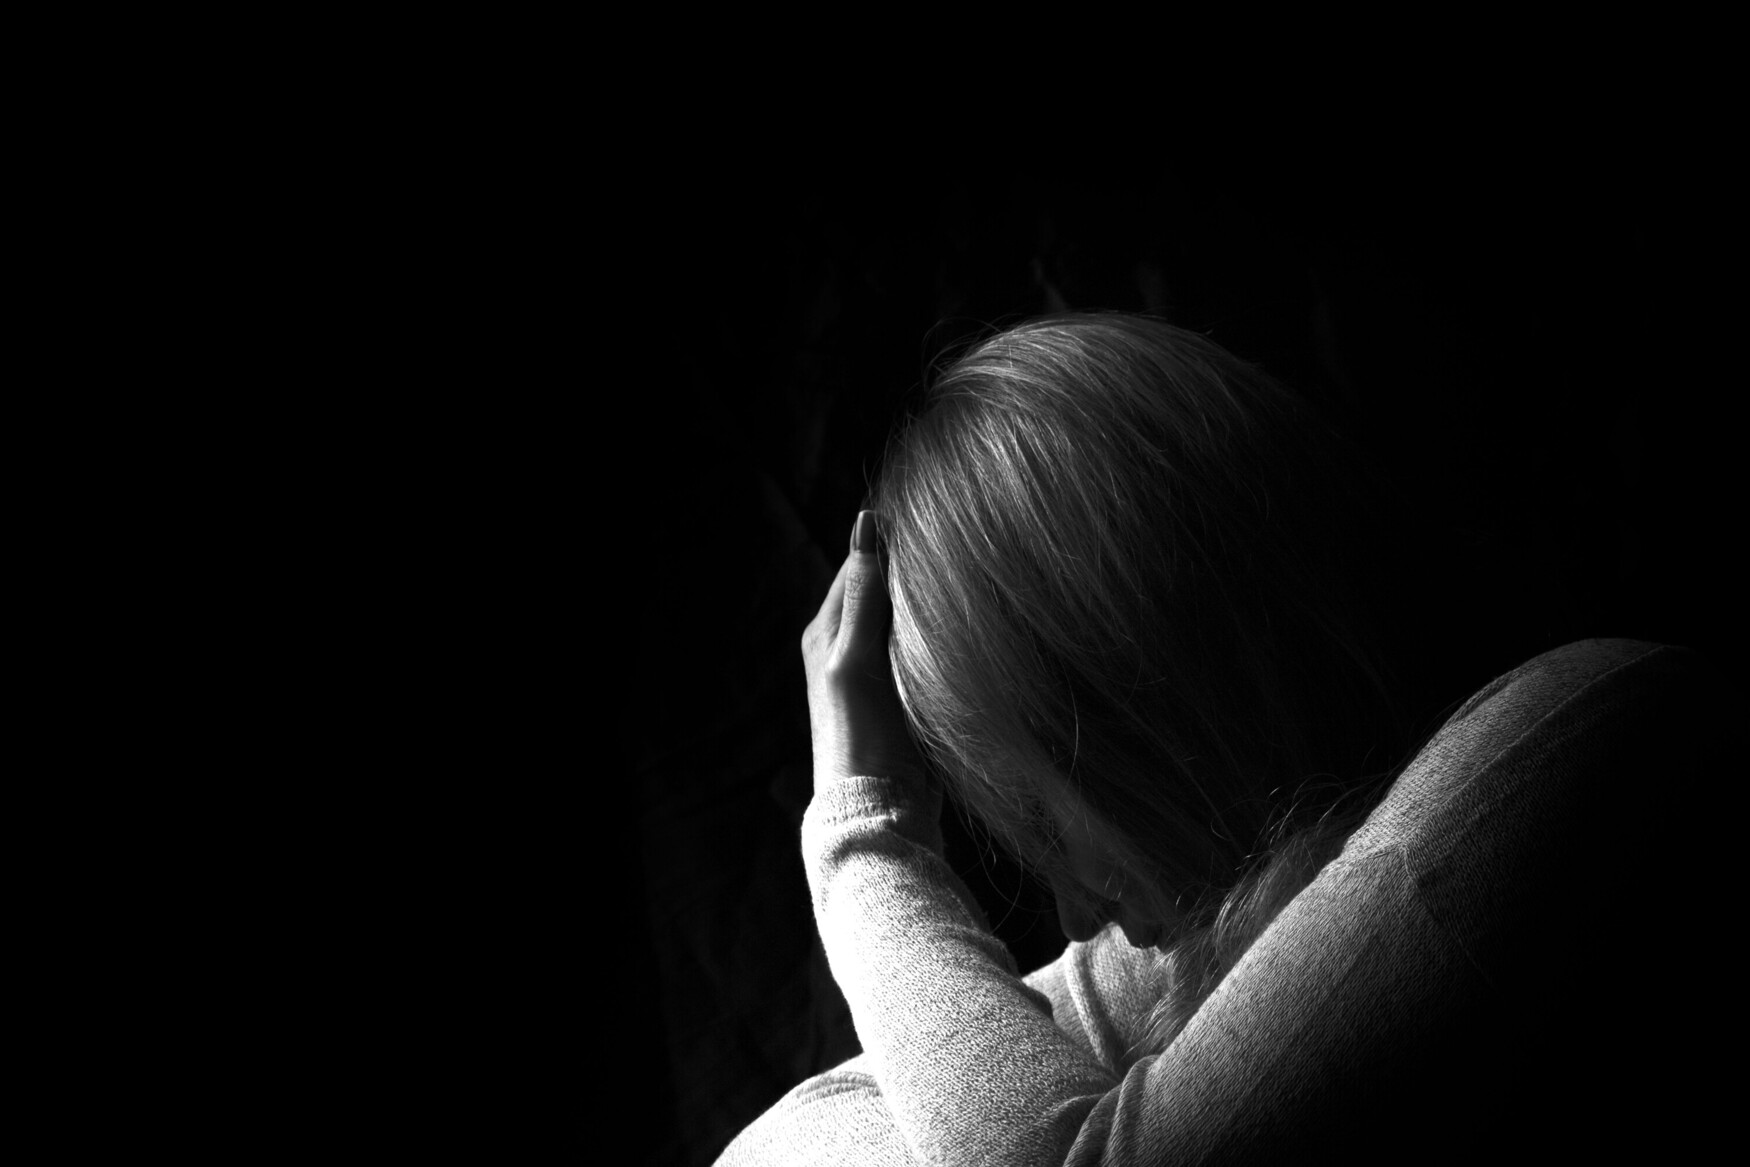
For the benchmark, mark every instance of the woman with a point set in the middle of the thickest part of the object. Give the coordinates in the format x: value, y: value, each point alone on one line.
x: 1122, y: 613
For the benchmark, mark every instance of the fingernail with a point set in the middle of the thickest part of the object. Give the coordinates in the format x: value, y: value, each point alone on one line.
x: 863, y: 534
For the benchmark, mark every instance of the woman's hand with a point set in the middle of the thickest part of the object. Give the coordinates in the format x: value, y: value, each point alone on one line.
x: 859, y: 725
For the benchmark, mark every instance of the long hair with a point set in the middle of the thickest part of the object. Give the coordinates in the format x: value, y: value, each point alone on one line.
x: 1119, y: 561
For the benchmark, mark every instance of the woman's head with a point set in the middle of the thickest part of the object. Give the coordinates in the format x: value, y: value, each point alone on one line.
x: 1121, y: 624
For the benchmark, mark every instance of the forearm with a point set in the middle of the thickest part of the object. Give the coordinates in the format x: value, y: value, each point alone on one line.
x: 967, y: 1055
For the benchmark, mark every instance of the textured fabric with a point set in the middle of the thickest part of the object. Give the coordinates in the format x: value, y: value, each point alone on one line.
x: 1455, y: 982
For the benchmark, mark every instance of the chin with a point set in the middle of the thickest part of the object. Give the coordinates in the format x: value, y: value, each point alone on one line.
x: 1151, y: 936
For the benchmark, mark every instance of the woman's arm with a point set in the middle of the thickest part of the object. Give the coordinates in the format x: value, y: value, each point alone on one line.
x: 968, y: 1057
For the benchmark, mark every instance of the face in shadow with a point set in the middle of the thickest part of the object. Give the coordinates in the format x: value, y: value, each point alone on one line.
x: 1099, y: 891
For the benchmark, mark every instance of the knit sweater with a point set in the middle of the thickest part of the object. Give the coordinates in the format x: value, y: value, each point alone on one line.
x: 1451, y: 978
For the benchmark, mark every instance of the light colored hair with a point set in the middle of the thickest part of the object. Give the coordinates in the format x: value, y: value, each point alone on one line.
x: 1117, y: 557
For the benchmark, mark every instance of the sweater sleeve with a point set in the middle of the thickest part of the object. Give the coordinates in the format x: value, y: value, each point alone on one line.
x: 969, y: 1058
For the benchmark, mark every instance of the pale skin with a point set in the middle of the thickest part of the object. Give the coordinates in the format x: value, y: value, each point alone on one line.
x: 859, y: 728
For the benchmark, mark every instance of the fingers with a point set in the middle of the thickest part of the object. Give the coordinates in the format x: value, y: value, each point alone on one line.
x: 832, y: 608
x: 863, y: 619
x: 852, y: 622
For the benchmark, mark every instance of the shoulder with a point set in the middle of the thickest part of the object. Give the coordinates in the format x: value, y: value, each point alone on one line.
x: 1596, y: 673
x: 1550, y: 807
x: 1507, y: 884
x: 1538, y: 723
